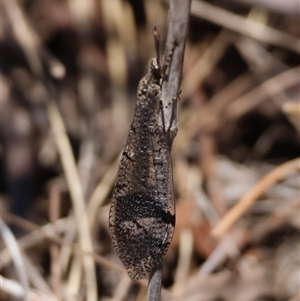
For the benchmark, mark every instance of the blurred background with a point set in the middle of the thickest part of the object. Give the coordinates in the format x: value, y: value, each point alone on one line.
x: 69, y: 74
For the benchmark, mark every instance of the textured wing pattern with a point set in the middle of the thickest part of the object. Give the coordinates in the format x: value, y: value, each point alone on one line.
x: 142, y: 213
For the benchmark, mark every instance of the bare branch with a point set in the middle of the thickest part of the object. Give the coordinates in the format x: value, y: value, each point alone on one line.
x: 154, y: 287
x: 179, y: 12
x: 178, y: 21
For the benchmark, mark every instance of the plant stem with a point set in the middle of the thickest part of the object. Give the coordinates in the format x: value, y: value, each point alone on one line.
x: 154, y: 286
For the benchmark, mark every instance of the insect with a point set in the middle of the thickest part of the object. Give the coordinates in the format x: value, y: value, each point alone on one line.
x: 142, y: 212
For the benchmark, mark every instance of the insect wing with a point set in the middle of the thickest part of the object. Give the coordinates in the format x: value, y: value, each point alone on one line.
x: 142, y: 214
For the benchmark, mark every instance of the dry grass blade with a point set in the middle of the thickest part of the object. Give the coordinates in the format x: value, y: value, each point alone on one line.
x: 227, y: 247
x: 68, y: 163
x: 36, y: 237
x: 291, y: 108
x: 101, y: 192
x: 12, y: 288
x: 49, y: 232
x: 16, y: 290
x: 122, y: 289
x: 184, y: 261
x: 14, y: 249
x: 269, y: 88
x: 248, y: 199
x: 31, y: 46
x: 205, y: 64
x: 24, y: 35
x: 56, y: 271
x: 214, y: 115
x: 35, y: 278
x: 245, y: 26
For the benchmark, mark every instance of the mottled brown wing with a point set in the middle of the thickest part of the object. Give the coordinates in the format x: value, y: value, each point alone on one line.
x: 142, y: 214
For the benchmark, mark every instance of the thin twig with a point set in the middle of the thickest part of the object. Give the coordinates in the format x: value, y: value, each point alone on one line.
x: 178, y: 21
x: 154, y: 287
x: 249, y: 198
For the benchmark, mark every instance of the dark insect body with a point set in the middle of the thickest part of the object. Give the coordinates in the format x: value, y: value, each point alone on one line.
x: 142, y: 213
